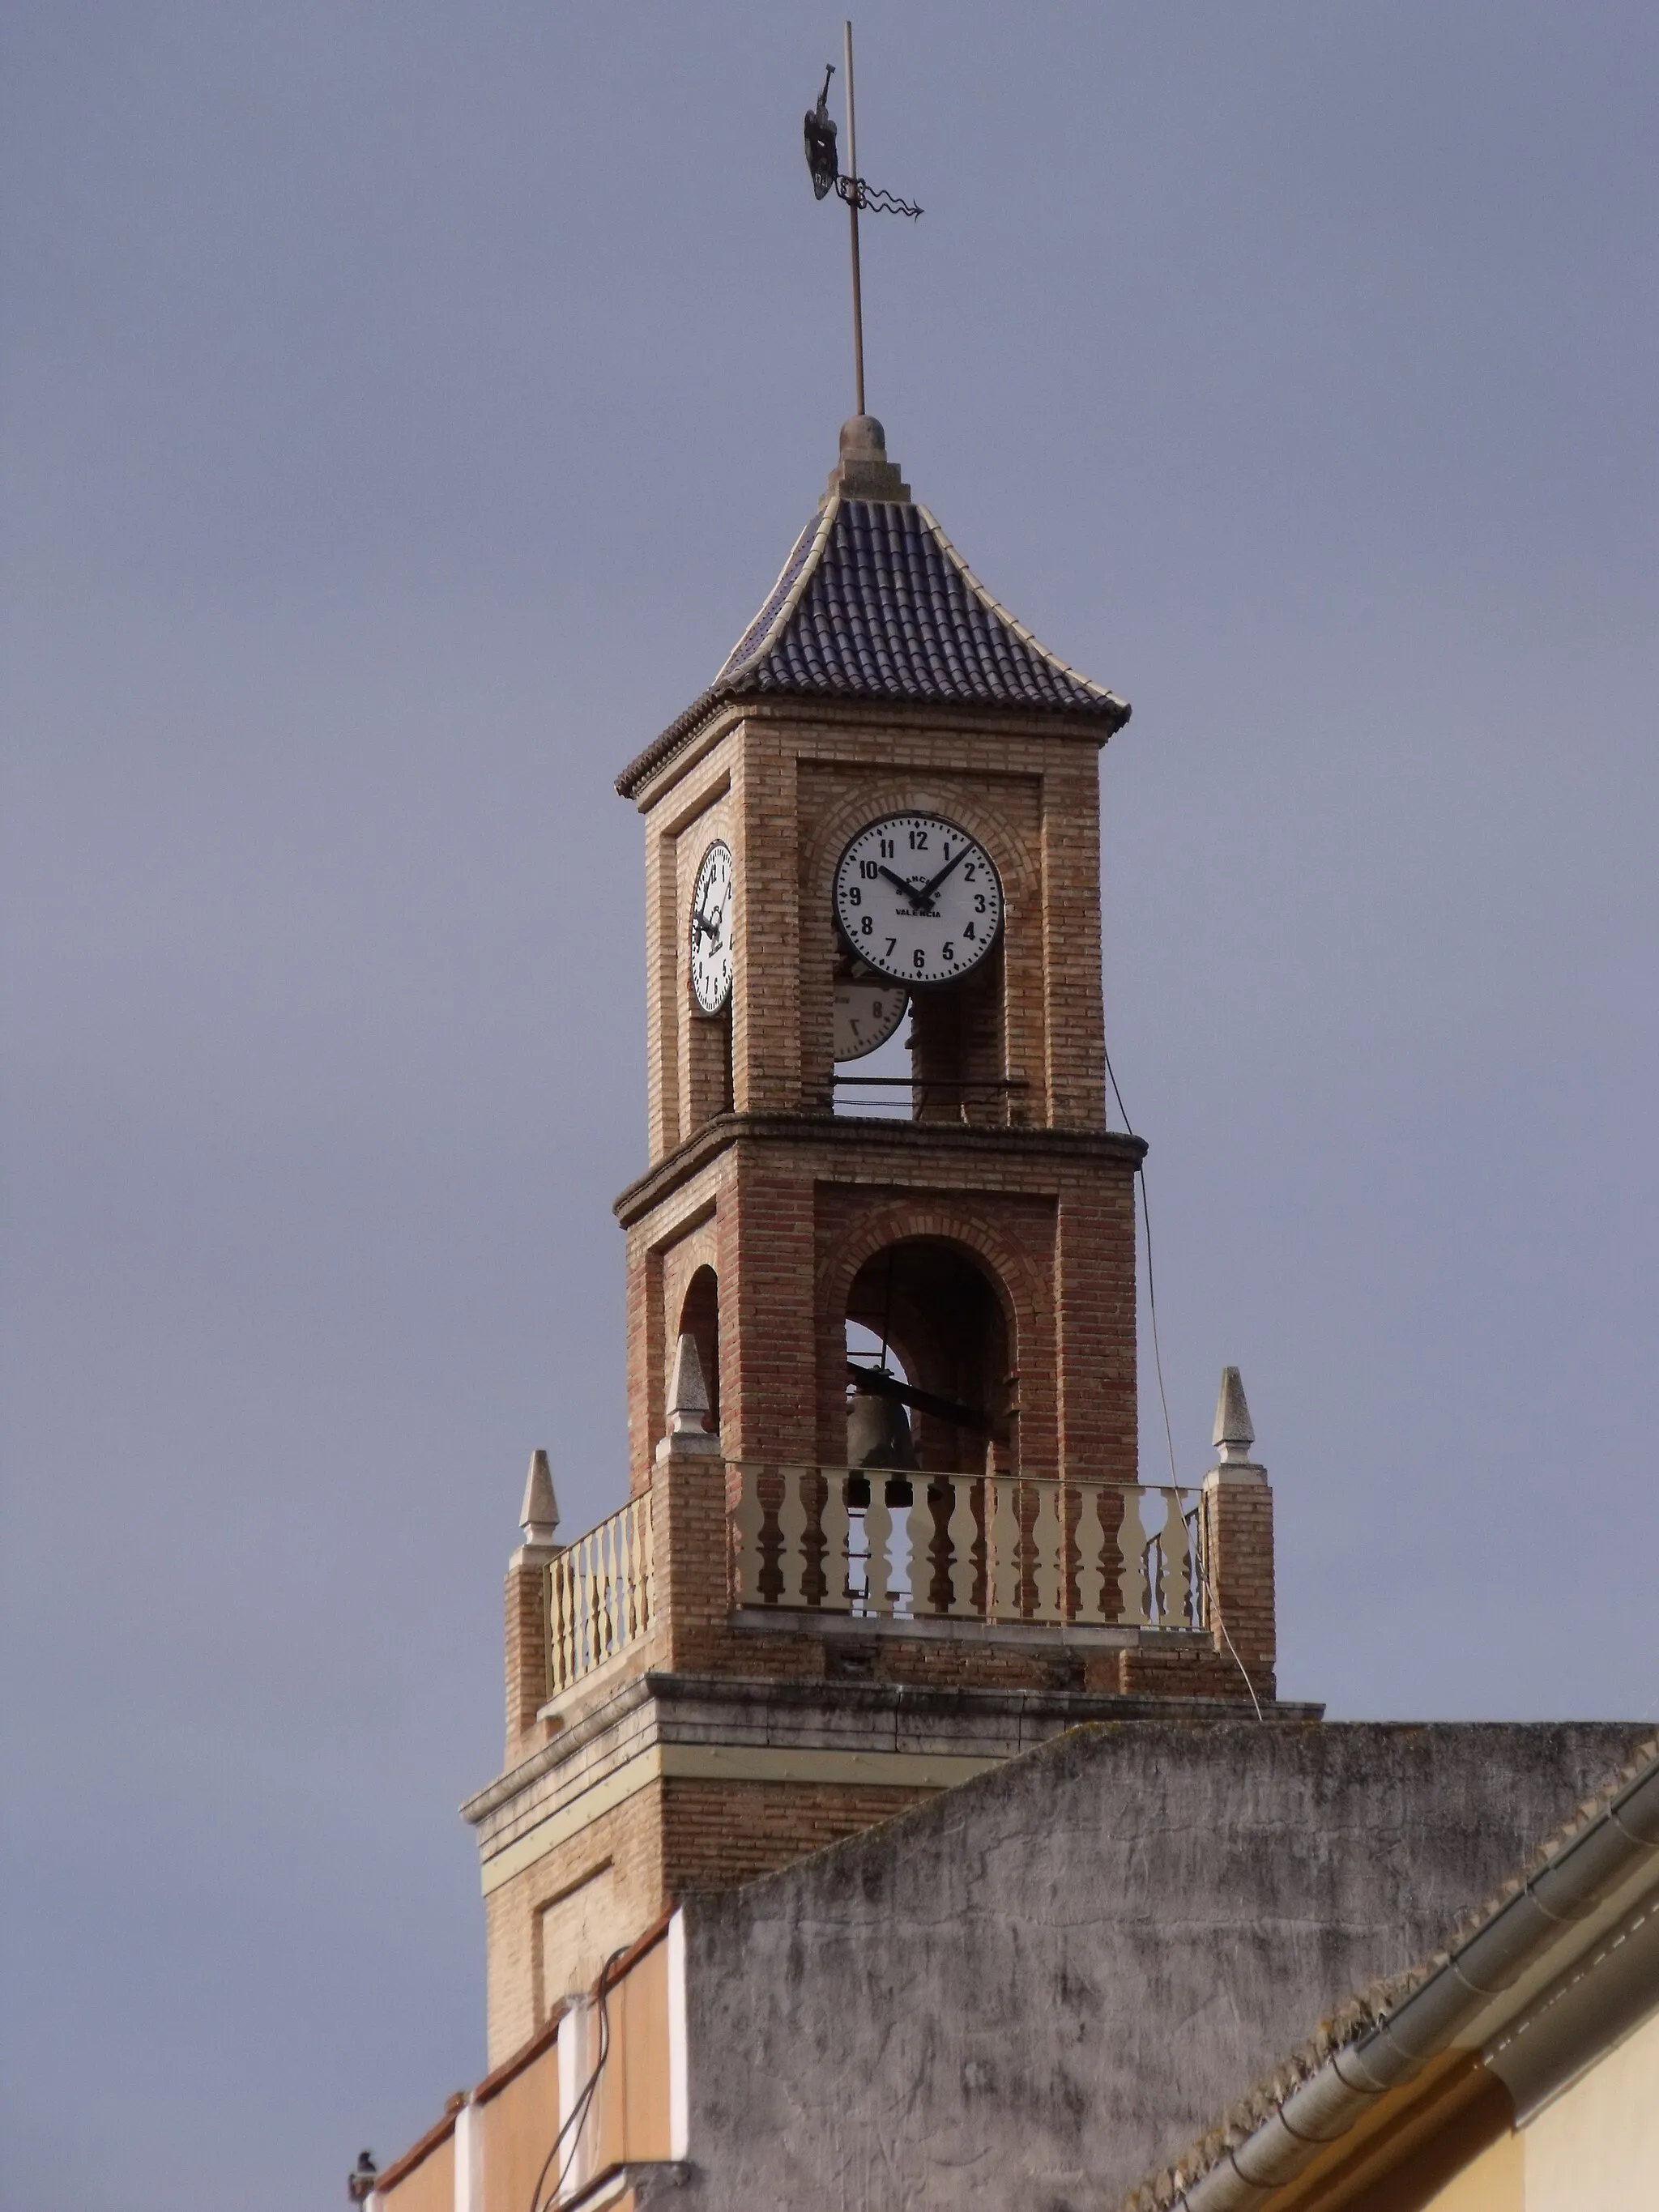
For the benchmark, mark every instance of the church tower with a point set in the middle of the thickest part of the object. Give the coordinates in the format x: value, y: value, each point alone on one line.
x: 884, y: 1523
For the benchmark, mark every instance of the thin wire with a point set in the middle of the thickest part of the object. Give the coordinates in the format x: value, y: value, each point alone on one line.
x: 1152, y: 1308
x: 1164, y: 1400
x: 579, y: 2111
x: 1117, y: 1094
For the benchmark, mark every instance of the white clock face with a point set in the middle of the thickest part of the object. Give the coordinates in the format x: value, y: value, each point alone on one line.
x: 918, y: 899
x: 711, y: 929
x: 867, y: 1012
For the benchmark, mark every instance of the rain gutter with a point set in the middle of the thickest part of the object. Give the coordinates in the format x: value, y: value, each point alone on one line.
x: 1569, y: 1886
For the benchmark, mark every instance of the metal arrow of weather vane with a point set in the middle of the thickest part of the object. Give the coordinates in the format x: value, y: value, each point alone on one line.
x: 827, y: 177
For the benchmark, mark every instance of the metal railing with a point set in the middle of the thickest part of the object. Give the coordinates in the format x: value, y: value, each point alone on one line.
x: 834, y: 1540
x: 601, y: 1594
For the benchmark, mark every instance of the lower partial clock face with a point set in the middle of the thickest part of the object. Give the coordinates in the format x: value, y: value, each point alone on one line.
x: 711, y: 929
x: 918, y: 899
x: 867, y: 1012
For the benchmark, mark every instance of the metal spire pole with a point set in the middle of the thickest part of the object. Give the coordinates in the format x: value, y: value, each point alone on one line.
x: 853, y: 217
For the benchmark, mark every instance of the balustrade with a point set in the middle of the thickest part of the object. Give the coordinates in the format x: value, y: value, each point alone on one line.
x: 601, y: 1594
x: 1003, y: 1547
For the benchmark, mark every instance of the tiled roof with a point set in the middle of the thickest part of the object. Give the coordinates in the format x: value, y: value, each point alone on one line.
x: 874, y: 602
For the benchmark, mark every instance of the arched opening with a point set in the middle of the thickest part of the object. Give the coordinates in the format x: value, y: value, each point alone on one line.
x: 700, y: 1319
x: 938, y: 1326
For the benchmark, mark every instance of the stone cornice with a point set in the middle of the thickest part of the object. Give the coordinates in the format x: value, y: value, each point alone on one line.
x: 648, y: 777
x: 856, y: 1707
x: 869, y: 1133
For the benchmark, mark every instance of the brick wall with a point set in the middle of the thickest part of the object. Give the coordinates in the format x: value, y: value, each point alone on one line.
x: 786, y: 784
x: 622, y: 1850
x: 718, y: 1833
x: 798, y: 1204
x: 525, y: 1610
x: 1238, y: 1534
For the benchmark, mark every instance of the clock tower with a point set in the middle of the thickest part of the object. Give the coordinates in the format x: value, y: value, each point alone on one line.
x: 885, y: 1523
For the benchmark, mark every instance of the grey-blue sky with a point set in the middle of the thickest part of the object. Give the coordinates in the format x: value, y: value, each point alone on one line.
x: 405, y: 407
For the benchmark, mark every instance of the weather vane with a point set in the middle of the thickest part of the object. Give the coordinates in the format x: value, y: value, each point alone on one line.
x: 829, y: 177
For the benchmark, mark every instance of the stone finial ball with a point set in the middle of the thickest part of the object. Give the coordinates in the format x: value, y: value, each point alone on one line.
x: 863, y: 437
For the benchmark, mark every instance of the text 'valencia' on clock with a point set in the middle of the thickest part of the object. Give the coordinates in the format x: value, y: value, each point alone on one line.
x: 918, y: 899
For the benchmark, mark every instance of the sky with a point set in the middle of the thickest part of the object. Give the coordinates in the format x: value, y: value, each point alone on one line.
x: 404, y: 408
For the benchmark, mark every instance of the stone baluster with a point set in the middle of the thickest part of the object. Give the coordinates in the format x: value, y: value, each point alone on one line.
x: 748, y: 1521
x: 1096, y: 1590
x: 962, y: 1532
x: 1174, y: 1548
x: 1004, y: 1547
x: 639, y: 1569
x: 919, y: 1535
x: 878, y: 1536
x: 791, y: 1535
x: 1132, y: 1580
x: 1048, y: 1561
x: 836, y: 1530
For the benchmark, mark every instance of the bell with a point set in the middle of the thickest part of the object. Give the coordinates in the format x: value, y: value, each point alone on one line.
x: 878, y: 1431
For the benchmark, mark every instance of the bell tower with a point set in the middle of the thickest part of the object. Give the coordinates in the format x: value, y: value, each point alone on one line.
x: 884, y: 1523
x: 881, y: 684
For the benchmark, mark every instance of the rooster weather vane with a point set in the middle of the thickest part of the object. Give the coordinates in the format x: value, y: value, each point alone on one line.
x: 821, y: 160
x: 828, y: 176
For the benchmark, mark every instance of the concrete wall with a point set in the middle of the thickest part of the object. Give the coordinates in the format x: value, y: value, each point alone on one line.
x: 1027, y: 1992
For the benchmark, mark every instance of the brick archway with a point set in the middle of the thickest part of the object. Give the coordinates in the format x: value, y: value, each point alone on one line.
x: 700, y: 1319
x: 1016, y: 1281
x: 1022, y: 1285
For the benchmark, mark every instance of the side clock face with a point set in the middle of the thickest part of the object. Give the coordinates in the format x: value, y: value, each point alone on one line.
x: 711, y: 929
x: 868, y: 1011
x: 918, y: 899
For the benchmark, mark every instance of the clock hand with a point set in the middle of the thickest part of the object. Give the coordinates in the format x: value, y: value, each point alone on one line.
x: 961, y: 854
x: 917, y: 898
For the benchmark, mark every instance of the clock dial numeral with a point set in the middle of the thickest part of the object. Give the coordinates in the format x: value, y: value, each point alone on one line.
x: 711, y: 933
x: 867, y: 1012
x: 918, y: 898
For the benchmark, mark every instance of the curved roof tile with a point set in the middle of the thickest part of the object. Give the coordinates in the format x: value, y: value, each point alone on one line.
x: 874, y: 602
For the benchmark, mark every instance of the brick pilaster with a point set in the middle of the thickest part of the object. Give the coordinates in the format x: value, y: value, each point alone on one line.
x: 1238, y: 1552
x: 689, y: 1543
x: 527, y: 1687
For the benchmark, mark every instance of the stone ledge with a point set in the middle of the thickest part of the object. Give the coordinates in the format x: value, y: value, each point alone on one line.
x: 845, y: 1131
x: 651, y: 1712
x: 649, y: 779
x: 1013, y: 1635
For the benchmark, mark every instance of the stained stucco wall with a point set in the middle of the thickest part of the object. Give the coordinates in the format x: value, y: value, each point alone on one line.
x: 1019, y: 1997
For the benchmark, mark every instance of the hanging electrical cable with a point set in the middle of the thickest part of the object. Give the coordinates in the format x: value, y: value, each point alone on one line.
x: 583, y: 2104
x: 1164, y: 1401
